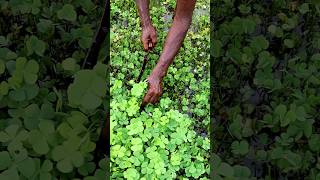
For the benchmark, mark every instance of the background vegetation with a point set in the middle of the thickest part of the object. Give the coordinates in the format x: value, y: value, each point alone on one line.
x: 50, y: 109
x: 266, y: 89
x: 168, y: 140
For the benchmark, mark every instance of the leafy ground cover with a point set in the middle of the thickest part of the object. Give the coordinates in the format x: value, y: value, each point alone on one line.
x: 50, y: 108
x: 266, y: 89
x: 168, y: 140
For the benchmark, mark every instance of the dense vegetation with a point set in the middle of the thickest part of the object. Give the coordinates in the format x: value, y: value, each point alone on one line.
x: 50, y: 108
x: 266, y: 94
x: 168, y: 140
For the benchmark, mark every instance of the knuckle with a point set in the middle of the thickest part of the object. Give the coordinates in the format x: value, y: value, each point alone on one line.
x: 143, y: 38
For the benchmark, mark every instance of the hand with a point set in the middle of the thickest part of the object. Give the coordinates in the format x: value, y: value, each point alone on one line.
x: 149, y: 37
x: 154, y: 91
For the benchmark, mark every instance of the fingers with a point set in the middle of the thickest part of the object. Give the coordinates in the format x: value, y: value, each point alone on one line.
x: 154, y: 39
x: 156, y: 96
x: 143, y: 104
x: 154, y: 99
x: 151, y: 100
x: 151, y: 97
x: 149, y: 38
x: 150, y: 45
x: 147, y: 99
x: 145, y: 45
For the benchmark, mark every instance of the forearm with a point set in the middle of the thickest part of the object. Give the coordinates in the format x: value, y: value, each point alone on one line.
x: 171, y: 47
x: 143, y: 9
x: 175, y: 37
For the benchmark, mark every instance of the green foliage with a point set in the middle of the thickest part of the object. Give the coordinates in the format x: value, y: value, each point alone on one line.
x: 168, y: 140
x: 88, y: 89
x: 33, y: 44
x: 50, y: 109
x: 67, y: 12
x: 266, y: 89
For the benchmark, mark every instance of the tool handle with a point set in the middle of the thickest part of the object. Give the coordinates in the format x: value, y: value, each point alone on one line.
x: 145, y: 60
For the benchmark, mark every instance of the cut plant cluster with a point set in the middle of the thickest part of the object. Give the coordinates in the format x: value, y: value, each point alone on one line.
x: 50, y: 109
x: 266, y: 95
x: 168, y: 140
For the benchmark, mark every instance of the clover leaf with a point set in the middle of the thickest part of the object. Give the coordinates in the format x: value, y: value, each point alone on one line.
x: 265, y: 60
x: 70, y: 64
x: 175, y: 159
x: 27, y: 167
x: 35, y: 45
x: 135, y: 127
x: 240, y: 148
x: 259, y: 43
x: 24, y: 70
x: 241, y: 172
x: 87, y: 90
x: 43, y: 169
x: 225, y: 170
x: 5, y: 160
x: 304, y: 8
x: 132, y: 106
x: 26, y: 92
x: 68, y: 155
x: 12, y: 134
x: 136, y: 144
x: 131, y: 174
x: 120, y: 151
x: 38, y: 137
x: 314, y: 142
x: 67, y: 13
x: 289, y: 43
x: 138, y: 89
x: 74, y: 125
x: 11, y: 174
x: 33, y: 115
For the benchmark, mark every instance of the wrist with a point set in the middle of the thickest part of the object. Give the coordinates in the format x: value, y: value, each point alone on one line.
x: 146, y: 23
x: 159, y: 71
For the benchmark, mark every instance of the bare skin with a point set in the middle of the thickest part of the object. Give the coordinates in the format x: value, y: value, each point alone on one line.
x: 173, y: 42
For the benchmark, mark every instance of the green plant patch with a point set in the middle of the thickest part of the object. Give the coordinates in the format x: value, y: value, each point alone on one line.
x: 266, y: 89
x: 169, y: 140
x: 50, y: 113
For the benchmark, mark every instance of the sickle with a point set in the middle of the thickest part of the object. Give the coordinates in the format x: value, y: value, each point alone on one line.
x: 145, y: 60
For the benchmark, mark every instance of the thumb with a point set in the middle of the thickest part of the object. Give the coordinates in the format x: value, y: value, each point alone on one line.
x: 145, y: 45
x: 154, y: 40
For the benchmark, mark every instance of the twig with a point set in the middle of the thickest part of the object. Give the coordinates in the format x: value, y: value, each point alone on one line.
x: 93, y: 53
x: 145, y: 60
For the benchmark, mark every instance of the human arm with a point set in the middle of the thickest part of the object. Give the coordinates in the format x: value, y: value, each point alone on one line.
x: 149, y: 35
x: 175, y: 37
